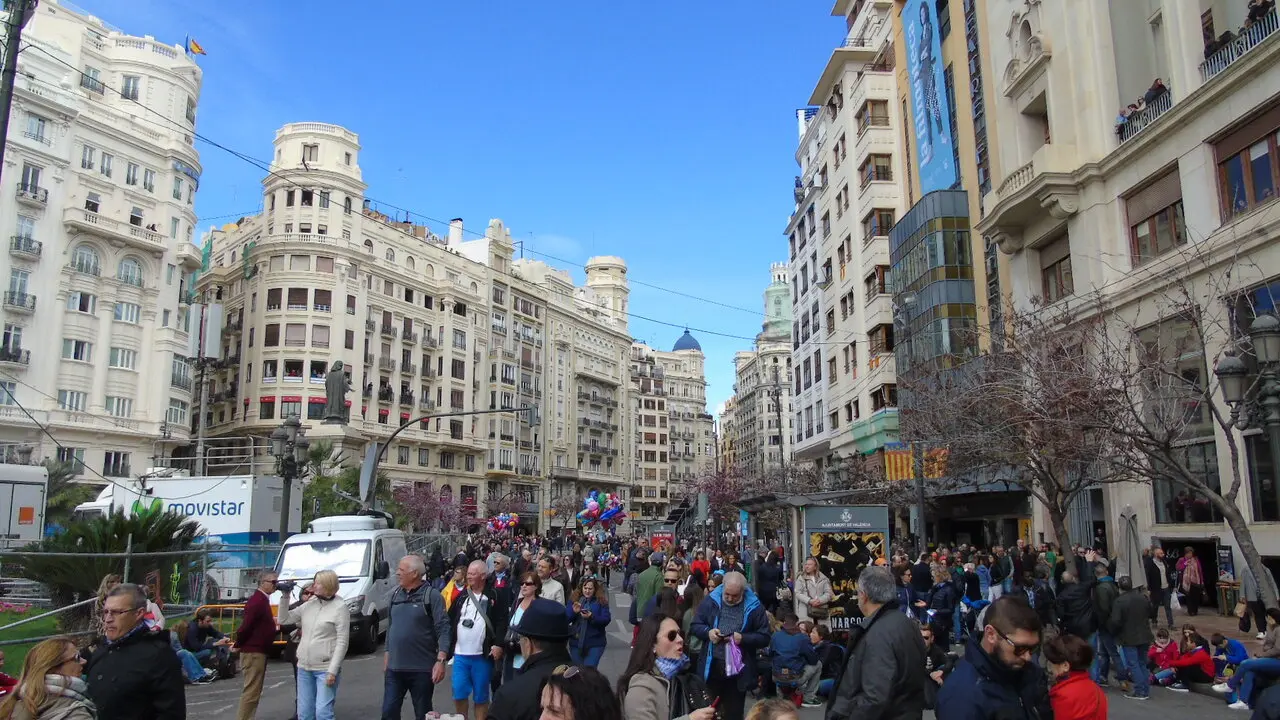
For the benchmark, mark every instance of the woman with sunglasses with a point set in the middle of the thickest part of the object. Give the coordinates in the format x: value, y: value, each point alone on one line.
x: 657, y: 658
x: 530, y: 588
x: 572, y: 692
x: 589, y: 620
x: 50, y: 687
x: 324, y: 624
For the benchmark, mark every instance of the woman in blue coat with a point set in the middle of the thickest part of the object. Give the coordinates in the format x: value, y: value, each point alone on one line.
x: 589, y: 622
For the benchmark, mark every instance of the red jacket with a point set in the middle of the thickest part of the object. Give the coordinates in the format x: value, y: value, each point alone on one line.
x: 1200, y: 657
x: 1076, y: 697
x: 1163, y: 659
x: 7, y: 684
x: 257, y: 629
x: 702, y: 565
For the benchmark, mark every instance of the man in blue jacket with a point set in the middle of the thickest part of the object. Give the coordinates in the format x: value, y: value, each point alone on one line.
x: 795, y: 662
x: 731, y: 614
x: 998, y: 676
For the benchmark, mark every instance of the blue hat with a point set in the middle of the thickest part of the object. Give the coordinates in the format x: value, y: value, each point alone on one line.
x: 544, y: 620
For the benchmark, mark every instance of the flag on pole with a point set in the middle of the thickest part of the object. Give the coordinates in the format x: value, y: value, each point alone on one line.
x: 193, y: 47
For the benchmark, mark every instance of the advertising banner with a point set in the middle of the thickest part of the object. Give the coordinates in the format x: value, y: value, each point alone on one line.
x: 845, y: 540
x: 928, y: 96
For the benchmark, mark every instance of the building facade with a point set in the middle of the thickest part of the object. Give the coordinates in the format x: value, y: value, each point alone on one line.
x: 1112, y: 188
x: 103, y: 174
x: 427, y: 324
x: 848, y: 196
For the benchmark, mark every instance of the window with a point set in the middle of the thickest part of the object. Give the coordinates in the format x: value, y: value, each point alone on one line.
x: 288, y: 198
x: 130, y: 272
x: 877, y: 283
x: 458, y: 369
x: 876, y: 167
x: 322, y: 300
x: 72, y: 400
x: 149, y: 180
x: 81, y: 350
x: 12, y: 337
x: 31, y: 178
x: 267, y: 409
x: 92, y: 201
x: 123, y: 358
x: 177, y: 188
x: 82, y: 302
x: 880, y: 340
x: 86, y: 157
x: 874, y: 113
x: 177, y: 413
x: 424, y: 457
x: 131, y: 174
x: 290, y: 407
x: 1174, y: 503
x: 128, y: 312
x: 1055, y: 274
x: 271, y: 336
x: 36, y: 128
x: 104, y: 167
x: 191, y: 110
x: 307, y: 198
x: 877, y: 222
x: 119, y: 406
x: 85, y: 259
x: 310, y: 153
x: 324, y: 199
x: 115, y: 464
x: 72, y: 455
x: 129, y: 87
x: 460, y: 339
x: 1248, y: 176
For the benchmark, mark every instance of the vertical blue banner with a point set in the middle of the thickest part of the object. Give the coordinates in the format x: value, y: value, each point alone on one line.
x: 928, y: 100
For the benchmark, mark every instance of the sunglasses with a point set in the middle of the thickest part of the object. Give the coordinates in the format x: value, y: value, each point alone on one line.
x: 671, y: 581
x: 672, y: 635
x: 568, y: 672
x: 1026, y: 650
x: 528, y: 584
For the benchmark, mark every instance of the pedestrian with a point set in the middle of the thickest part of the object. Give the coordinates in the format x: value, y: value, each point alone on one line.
x: 938, y: 664
x: 589, y: 623
x: 998, y: 676
x: 254, y: 638
x: 768, y: 579
x: 700, y: 563
x: 1001, y: 573
x: 1251, y: 595
x: 648, y: 583
x: 813, y: 592
x: 512, y: 660
x: 884, y: 672
x: 454, y: 586
x: 478, y: 626
x: 552, y: 589
x: 1132, y: 634
x: 1192, y: 582
x: 921, y: 575
x: 1162, y: 578
x: 418, y: 638
x: 578, y: 693
x: 50, y: 686
x: 776, y: 709
x: 1073, y: 694
x: 324, y: 626
x: 1240, y: 686
x: 543, y: 634
x: 1106, y: 654
x: 106, y: 585
x: 657, y: 662
x: 730, y: 615
x: 134, y: 674
x: 942, y: 604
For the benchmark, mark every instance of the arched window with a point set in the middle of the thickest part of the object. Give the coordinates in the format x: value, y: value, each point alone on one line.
x: 475, y: 289
x: 429, y: 270
x: 130, y: 271
x: 346, y: 205
x: 391, y: 255
x: 85, y: 259
x: 368, y: 245
x: 409, y: 262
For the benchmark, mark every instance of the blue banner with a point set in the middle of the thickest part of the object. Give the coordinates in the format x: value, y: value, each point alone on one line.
x: 928, y: 96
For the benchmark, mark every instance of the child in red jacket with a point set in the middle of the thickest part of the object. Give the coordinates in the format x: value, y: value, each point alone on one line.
x: 1194, y: 664
x: 1160, y: 657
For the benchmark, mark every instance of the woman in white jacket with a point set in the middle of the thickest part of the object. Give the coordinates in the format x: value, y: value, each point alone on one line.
x: 813, y: 592
x: 325, y: 625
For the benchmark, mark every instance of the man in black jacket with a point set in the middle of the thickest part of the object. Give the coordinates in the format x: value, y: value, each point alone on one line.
x: 884, y: 671
x: 544, y: 636
x: 1128, y: 625
x: 1162, y: 578
x: 1075, y: 607
x: 134, y: 675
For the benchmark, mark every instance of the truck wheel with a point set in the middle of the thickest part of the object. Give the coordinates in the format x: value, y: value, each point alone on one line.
x: 367, y: 642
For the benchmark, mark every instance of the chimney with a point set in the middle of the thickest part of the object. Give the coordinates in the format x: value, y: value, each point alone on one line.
x: 455, y: 231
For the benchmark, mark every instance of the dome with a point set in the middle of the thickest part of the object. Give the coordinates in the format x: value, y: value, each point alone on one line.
x: 686, y: 342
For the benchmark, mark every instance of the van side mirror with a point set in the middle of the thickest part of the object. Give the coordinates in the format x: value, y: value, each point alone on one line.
x: 384, y: 570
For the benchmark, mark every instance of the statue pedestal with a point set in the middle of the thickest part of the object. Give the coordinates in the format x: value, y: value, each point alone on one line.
x: 346, y: 440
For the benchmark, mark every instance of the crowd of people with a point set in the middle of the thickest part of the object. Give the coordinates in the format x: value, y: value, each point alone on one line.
x: 517, y: 626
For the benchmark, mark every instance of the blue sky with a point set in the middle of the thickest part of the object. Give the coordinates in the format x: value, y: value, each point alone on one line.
x: 662, y: 132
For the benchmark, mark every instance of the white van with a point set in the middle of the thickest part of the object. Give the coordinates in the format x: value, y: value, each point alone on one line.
x: 363, y: 551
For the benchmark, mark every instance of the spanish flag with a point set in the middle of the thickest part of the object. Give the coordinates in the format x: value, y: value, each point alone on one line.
x: 194, y: 48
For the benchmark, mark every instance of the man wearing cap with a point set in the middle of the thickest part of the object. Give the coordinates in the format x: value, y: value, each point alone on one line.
x: 544, y: 636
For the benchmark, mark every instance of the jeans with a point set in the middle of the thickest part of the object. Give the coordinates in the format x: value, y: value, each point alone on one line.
x: 957, y: 623
x: 1166, y: 677
x: 1135, y: 660
x: 191, y: 667
x: 1247, y: 674
x: 1161, y: 599
x: 315, y: 698
x: 589, y: 657
x: 1105, y: 653
x: 396, y: 683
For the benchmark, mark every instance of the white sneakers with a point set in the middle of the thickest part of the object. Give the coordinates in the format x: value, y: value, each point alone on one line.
x: 1260, y: 636
x: 1221, y: 688
x: 1239, y: 705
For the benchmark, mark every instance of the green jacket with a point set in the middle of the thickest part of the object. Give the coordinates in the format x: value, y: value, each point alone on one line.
x: 1104, y: 597
x: 647, y: 586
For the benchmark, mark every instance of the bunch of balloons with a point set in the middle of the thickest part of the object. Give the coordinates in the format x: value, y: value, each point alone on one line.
x: 503, y: 521
x: 602, y: 508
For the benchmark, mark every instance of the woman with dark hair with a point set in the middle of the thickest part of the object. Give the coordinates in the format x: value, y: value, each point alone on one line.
x: 644, y: 689
x: 512, y: 660
x: 1073, y: 695
x: 572, y: 692
x: 589, y: 620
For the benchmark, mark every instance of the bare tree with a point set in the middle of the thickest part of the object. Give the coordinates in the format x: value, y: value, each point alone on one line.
x: 566, y: 507
x: 1028, y: 412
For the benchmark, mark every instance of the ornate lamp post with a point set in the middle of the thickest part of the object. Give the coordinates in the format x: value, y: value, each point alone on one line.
x: 1263, y: 409
x: 289, y: 447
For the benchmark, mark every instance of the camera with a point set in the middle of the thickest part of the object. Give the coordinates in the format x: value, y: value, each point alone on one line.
x: 468, y: 623
x: 285, y: 586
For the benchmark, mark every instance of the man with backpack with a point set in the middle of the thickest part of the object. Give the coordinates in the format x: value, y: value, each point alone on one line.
x: 418, y: 641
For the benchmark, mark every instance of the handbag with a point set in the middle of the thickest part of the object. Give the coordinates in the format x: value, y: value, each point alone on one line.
x: 822, y: 612
x: 1242, y: 608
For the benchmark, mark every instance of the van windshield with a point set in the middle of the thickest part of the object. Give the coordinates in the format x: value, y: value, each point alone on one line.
x: 348, y: 558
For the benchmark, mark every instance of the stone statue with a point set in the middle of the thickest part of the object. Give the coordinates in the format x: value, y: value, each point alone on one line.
x: 336, y: 386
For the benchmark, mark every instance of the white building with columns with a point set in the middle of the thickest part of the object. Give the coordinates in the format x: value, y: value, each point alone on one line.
x: 1111, y: 213
x: 101, y: 176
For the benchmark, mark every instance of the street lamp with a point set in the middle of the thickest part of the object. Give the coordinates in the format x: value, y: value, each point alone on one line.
x: 290, y: 448
x: 1233, y: 377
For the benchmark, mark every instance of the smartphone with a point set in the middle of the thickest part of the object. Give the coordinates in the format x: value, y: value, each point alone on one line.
x: 714, y: 703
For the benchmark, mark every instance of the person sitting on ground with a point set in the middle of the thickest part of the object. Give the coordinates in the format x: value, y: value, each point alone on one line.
x: 1194, y: 663
x: 1240, y: 687
x: 1161, y: 654
x: 937, y: 663
x: 192, y: 671
x: 204, y: 640
x: 795, y: 663
x: 1227, y: 653
x: 830, y: 655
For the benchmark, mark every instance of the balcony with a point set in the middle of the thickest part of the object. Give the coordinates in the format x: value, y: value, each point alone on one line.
x: 20, y: 301
x: 386, y: 395
x: 428, y: 371
x: 182, y: 382
x: 189, y: 256
x: 368, y: 358
x: 21, y: 246
x: 1139, y: 121
x: 1248, y: 39
x: 370, y: 326
x: 406, y: 399
x: 1043, y: 185
x: 387, y: 331
x: 410, y: 338
x: 429, y: 342
x: 386, y: 363
x: 426, y: 404
x: 101, y: 225
x: 14, y: 356
x: 408, y: 369
x: 32, y: 195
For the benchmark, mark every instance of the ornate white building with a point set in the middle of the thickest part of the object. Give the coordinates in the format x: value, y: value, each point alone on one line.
x: 760, y: 434
x: 102, y: 175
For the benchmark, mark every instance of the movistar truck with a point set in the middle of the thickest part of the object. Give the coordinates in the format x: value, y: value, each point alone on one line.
x: 240, y: 511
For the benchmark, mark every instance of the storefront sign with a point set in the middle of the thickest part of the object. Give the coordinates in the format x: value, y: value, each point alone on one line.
x: 846, y: 540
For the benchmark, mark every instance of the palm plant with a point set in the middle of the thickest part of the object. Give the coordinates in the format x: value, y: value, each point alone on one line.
x: 63, y: 493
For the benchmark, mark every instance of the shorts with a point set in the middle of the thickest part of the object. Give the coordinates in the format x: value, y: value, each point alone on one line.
x: 471, y: 676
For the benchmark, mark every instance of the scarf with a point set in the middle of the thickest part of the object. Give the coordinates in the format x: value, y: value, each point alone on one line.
x: 670, y: 666
x: 137, y: 629
x: 73, y: 688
